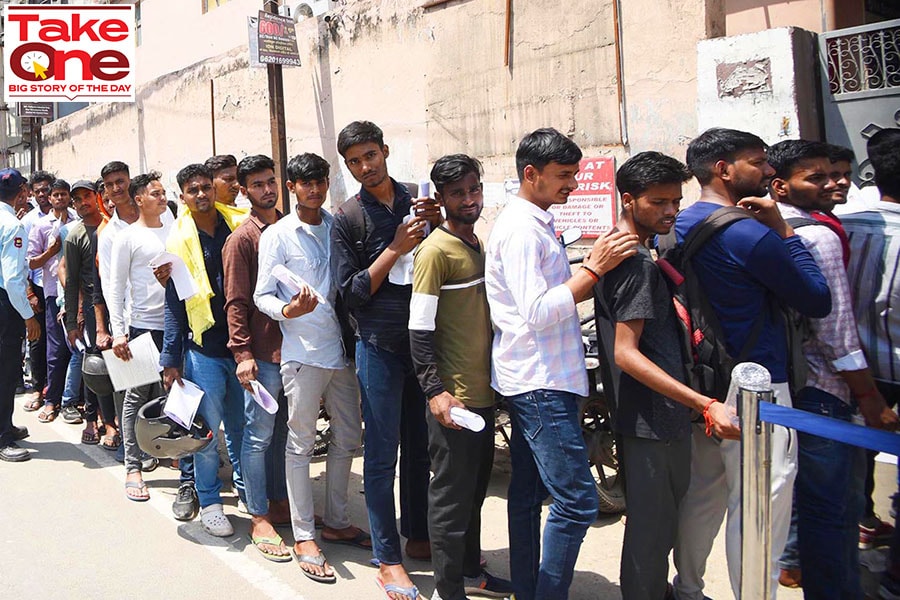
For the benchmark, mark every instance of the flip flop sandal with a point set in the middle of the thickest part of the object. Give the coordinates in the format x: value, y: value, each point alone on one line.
x: 271, y: 541
x: 111, y: 444
x: 318, y: 561
x: 90, y: 438
x: 411, y: 592
x: 47, y: 416
x: 33, y: 404
x: 136, y: 485
x: 357, y: 541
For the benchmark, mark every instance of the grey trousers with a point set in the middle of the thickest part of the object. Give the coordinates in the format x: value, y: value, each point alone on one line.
x: 135, y: 398
x: 657, y: 476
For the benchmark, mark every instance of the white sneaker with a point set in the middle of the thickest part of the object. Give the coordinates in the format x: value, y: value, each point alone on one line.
x: 215, y: 522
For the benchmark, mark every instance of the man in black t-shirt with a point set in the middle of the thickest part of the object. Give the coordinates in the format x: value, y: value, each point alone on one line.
x: 653, y: 405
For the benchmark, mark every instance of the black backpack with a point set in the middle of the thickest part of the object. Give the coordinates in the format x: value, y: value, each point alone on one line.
x: 707, y: 364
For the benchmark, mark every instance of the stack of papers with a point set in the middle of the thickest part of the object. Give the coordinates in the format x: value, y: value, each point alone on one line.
x: 142, y: 369
x: 183, y: 401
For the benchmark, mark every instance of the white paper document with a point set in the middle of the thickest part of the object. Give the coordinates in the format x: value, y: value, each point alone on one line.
x: 293, y: 282
x: 181, y: 277
x: 264, y: 398
x: 466, y: 418
x: 143, y: 368
x: 182, y: 403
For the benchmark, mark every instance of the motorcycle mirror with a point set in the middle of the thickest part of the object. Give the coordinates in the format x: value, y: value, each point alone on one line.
x: 570, y: 236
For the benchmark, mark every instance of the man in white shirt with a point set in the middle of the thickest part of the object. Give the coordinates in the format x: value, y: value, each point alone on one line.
x: 538, y: 364
x: 132, y: 281
x: 315, y: 363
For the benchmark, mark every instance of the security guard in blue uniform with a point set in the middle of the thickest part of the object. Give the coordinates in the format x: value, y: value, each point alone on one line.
x: 16, y: 316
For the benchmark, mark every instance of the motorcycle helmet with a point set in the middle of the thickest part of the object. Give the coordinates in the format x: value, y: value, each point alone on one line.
x: 158, y: 435
x: 95, y: 375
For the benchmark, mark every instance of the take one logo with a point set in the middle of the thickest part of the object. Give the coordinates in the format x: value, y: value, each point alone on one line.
x: 66, y: 52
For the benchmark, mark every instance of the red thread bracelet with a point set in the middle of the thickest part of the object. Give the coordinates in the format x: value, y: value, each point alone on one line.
x: 591, y: 272
x: 707, y: 418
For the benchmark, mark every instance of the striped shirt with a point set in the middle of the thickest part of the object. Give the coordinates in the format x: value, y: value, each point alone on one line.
x: 833, y: 345
x: 537, y: 336
x: 874, y: 274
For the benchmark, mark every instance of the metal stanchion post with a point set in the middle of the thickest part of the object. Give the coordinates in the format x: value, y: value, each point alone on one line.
x: 756, y: 467
x: 756, y: 522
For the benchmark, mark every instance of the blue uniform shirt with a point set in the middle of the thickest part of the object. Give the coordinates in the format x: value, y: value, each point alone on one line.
x: 13, y: 268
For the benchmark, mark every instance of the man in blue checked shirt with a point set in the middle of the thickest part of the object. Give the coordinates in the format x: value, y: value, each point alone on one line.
x: 14, y: 309
x: 538, y: 364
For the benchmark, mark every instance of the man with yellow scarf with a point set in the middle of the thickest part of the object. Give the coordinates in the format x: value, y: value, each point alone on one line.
x: 196, y: 335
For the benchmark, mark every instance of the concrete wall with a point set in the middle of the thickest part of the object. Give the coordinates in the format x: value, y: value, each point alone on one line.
x: 747, y: 16
x: 762, y: 82
x: 434, y: 80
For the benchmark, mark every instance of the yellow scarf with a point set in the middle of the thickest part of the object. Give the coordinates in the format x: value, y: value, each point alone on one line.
x: 185, y: 242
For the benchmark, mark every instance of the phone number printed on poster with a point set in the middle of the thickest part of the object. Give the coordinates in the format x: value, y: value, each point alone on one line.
x: 592, y: 207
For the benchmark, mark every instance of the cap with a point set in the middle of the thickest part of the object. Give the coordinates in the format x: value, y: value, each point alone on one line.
x: 11, y: 179
x: 84, y: 184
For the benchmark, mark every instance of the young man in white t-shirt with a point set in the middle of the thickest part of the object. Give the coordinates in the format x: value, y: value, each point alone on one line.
x: 130, y: 274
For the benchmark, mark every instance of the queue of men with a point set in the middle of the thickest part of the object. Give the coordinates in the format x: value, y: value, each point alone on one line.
x: 400, y: 318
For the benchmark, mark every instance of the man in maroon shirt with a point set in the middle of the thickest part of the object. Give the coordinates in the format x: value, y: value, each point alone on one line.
x: 255, y: 341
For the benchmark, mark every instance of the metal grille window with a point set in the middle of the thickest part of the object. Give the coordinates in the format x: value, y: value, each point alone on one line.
x: 864, y: 59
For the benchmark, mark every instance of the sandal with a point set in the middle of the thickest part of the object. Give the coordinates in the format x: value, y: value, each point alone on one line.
x: 142, y: 496
x: 318, y: 561
x: 34, y: 404
x: 48, y: 415
x: 90, y: 438
x: 111, y: 443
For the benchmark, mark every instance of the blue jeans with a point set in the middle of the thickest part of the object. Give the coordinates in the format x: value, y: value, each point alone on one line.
x: 830, y: 500
x: 223, y: 401
x: 394, y: 414
x: 548, y: 456
x: 259, y: 427
x: 72, y: 388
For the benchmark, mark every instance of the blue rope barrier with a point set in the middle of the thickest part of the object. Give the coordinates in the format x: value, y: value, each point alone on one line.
x: 833, y: 429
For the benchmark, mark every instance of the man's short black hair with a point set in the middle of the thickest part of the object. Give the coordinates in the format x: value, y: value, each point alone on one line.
x: 785, y: 155
x: 884, y: 154
x: 649, y: 168
x: 140, y: 182
x: 100, y: 186
x: 544, y: 146
x: 306, y: 167
x: 452, y: 168
x: 40, y: 177
x: 840, y: 153
x: 114, y: 167
x: 253, y: 164
x: 191, y: 171
x: 717, y: 144
x: 220, y: 161
x: 60, y: 184
x: 359, y: 132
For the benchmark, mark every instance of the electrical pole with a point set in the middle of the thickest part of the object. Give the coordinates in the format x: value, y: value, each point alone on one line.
x: 276, y: 120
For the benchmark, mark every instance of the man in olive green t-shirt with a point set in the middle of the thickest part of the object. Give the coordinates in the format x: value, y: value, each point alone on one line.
x: 450, y: 340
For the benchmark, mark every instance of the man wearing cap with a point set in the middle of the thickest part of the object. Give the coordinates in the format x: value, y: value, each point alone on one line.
x: 14, y: 308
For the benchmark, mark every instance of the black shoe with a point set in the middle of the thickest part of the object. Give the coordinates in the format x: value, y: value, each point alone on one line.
x: 487, y: 585
x: 71, y: 415
x: 13, y: 453
x: 20, y: 432
x: 186, y: 505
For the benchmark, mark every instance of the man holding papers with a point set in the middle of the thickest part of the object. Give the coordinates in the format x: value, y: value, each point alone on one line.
x: 130, y: 273
x: 314, y: 362
x: 196, y: 335
x: 255, y: 341
x: 450, y: 339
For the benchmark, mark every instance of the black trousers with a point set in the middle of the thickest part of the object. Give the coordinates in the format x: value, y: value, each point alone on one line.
x: 657, y: 475
x: 461, y: 461
x: 37, y: 349
x: 12, y: 332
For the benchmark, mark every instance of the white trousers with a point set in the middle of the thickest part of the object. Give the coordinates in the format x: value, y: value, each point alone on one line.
x: 304, y: 387
x: 716, y: 486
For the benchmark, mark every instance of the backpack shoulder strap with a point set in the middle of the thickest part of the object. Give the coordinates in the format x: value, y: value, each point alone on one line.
x: 358, y: 220
x: 796, y: 222
x: 716, y: 221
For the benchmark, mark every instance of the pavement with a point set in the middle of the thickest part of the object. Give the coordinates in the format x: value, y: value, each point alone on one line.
x: 67, y: 531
